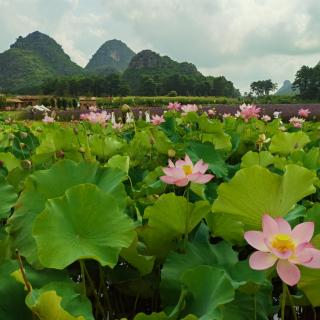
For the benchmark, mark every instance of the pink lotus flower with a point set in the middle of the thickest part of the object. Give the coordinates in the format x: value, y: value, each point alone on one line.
x: 189, y: 108
x: 48, y: 119
x: 278, y: 243
x: 249, y: 111
x: 304, y: 113
x: 157, y: 120
x: 226, y: 115
x: 265, y: 118
x: 174, y: 106
x: 212, y: 112
x: 96, y: 117
x: 184, y: 171
x: 296, y: 122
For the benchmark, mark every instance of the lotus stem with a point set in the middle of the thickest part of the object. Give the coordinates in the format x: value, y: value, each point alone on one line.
x: 24, y: 276
x: 283, y: 300
x: 291, y: 304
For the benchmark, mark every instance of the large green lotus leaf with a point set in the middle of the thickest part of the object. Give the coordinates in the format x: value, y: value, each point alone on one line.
x: 8, y: 198
x: 9, y: 161
x: 313, y: 214
x: 209, y: 155
x: 226, y: 226
x: 288, y: 142
x: 52, y: 183
x: 141, y: 262
x: 105, y: 147
x: 310, y: 279
x: 198, y: 252
x: 263, y: 159
x: 86, y: 223
x: 47, y: 306
x: 161, y: 142
x: 255, y: 191
x: 12, y: 294
x: 120, y: 162
x: 210, y: 288
x: 310, y: 159
x: 64, y: 299
x: 212, y: 131
x: 167, y: 221
x: 249, y: 306
x: 57, y: 139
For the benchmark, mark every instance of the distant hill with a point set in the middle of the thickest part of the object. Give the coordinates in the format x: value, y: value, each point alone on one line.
x: 37, y: 63
x: 286, y: 89
x: 31, y: 60
x: 150, y: 64
x: 113, y: 55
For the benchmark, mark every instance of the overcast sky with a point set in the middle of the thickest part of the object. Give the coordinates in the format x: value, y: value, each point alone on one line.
x: 244, y: 40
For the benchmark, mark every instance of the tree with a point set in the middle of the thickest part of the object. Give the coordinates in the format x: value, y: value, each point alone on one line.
x: 307, y: 80
x: 263, y: 87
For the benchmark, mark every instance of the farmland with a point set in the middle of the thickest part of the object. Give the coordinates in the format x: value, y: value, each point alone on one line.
x: 160, y: 218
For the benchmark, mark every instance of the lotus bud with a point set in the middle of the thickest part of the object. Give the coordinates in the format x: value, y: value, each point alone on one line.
x: 23, y: 135
x: 75, y: 130
x: 82, y: 150
x: 125, y: 108
x: 26, y: 164
x: 171, y: 153
x: 22, y: 145
x: 11, y: 136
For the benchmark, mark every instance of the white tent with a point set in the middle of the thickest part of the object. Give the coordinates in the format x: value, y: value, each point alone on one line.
x: 40, y: 108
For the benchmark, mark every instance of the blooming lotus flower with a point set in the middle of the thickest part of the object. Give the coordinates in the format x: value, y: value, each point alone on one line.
x: 249, y: 111
x: 212, y: 112
x: 183, y: 171
x: 265, y: 118
x: 157, y: 120
x: 226, y: 115
x: 276, y: 114
x: 48, y: 119
x: 296, y: 122
x: 189, y: 108
x: 289, y: 248
x: 93, y: 108
x: 174, y: 106
x: 96, y: 117
x: 304, y: 113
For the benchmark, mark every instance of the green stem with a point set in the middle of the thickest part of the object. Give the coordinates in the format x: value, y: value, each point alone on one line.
x: 83, y: 277
x: 100, y: 307
x: 187, y: 218
x: 291, y: 305
x: 314, y: 312
x: 283, y: 300
x: 255, y: 307
x: 104, y: 289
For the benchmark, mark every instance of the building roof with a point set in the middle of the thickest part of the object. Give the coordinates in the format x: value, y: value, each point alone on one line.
x: 14, y: 100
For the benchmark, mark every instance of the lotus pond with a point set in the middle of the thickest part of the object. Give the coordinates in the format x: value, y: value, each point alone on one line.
x: 160, y: 220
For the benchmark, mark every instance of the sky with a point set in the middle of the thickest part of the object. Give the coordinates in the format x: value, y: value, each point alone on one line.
x: 244, y: 40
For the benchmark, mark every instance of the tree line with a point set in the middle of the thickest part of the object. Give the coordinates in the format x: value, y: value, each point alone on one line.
x: 116, y: 85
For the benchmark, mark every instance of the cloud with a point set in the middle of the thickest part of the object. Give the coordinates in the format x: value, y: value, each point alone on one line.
x: 244, y: 40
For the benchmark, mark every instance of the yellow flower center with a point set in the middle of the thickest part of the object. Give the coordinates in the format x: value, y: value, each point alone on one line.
x: 187, y: 169
x: 283, y: 242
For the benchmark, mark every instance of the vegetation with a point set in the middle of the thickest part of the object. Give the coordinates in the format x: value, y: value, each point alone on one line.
x: 307, y: 80
x: 263, y: 87
x: 113, y: 56
x: 90, y: 230
x: 32, y: 59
